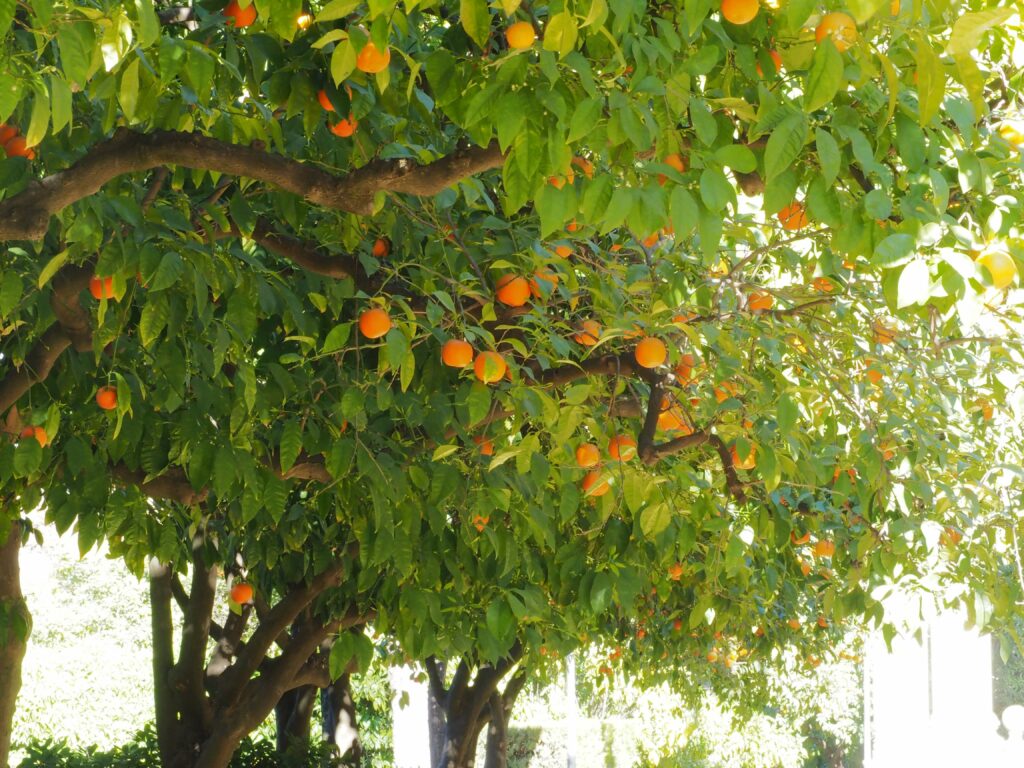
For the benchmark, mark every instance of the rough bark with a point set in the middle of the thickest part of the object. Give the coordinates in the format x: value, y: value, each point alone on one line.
x: 435, y: 719
x: 205, y: 709
x: 15, y: 623
x: 500, y: 707
x: 26, y: 216
x: 343, y: 730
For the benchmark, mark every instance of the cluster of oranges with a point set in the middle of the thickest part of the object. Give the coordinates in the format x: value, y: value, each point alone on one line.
x: 13, y: 144
x: 588, y: 456
x: 839, y: 27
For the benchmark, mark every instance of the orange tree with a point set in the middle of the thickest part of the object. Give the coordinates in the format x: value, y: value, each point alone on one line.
x: 764, y: 262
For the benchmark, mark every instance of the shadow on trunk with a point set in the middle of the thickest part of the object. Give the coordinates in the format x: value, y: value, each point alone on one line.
x: 15, y: 625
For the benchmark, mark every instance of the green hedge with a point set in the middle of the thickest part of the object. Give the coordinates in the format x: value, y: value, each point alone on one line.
x: 142, y: 752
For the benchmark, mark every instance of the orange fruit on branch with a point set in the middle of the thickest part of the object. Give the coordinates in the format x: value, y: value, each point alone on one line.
x: 588, y: 334
x: 18, y: 147
x: 739, y: 11
x: 457, y: 353
x: 839, y: 27
x: 725, y: 390
x: 486, y: 445
x: 594, y: 485
x: 588, y: 455
x: 373, y: 60
x: 345, y: 127
x: 622, y: 448
x: 543, y: 281
x: 824, y: 548
x: 793, y: 217
x: 650, y: 352
x: 563, y: 251
x: 38, y: 433
x: 513, y: 290
x: 106, y: 398
x: 242, y: 593
x: 101, y: 287
x: 7, y: 132
x: 776, y: 60
x: 381, y: 247
x: 489, y: 367
x: 520, y: 35
x: 674, y: 161
x: 324, y: 100
x: 374, y: 323
x: 760, y: 301
x: 1000, y: 266
x: 675, y: 571
x: 748, y: 462
x: 239, y: 17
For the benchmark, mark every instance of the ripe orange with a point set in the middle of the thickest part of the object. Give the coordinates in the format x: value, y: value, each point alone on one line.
x: 822, y: 285
x: 486, y: 445
x: 823, y: 622
x: 101, y: 287
x: 674, y: 161
x: 650, y: 352
x: 677, y: 625
x: 512, y: 290
x: 239, y: 17
x: 242, y: 593
x: 760, y: 301
x: 372, y: 60
x: 38, y: 433
x: 748, y: 463
x: 543, y: 281
x: 793, y: 217
x: 950, y: 536
x: 651, y: 240
x: 520, y: 35
x: 824, y: 548
x: 776, y: 60
x: 457, y: 353
x: 684, y: 371
x: 7, y: 132
x: 675, y: 571
x: 725, y: 390
x: 325, y: 102
x: 381, y: 247
x: 739, y: 11
x: 622, y: 448
x: 840, y: 27
x: 671, y: 420
x: 594, y: 485
x: 303, y: 21
x: 480, y: 522
x: 489, y: 367
x: 1000, y: 266
x: 345, y: 127
x: 794, y: 624
x: 883, y: 333
x: 1012, y: 131
x: 584, y: 165
x: 799, y: 541
x: 374, y: 323
x: 17, y: 147
x: 563, y: 250
x: 106, y: 398
x: 874, y: 375
x: 588, y: 455
x: 588, y: 334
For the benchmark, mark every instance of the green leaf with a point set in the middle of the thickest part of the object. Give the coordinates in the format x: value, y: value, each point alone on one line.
x: 128, y: 95
x: 51, y: 268
x: 283, y: 14
x: 500, y: 620
x: 969, y: 28
x: 561, y: 33
x: 715, y: 189
x: 153, y: 320
x: 476, y: 20
x: 784, y: 145
x: 931, y: 80
x: 350, y: 649
x: 337, y: 9
x: 343, y: 61
x: 337, y: 338
x: 6, y: 16
x: 915, y: 284
x: 768, y: 467
x: 40, y: 117
x: 824, y: 78
x: 443, y: 451
x: 828, y: 154
x: 149, y: 24
x: 167, y: 273
x: 683, y: 211
x: 738, y: 157
x: 10, y: 292
x: 60, y: 103
x: 75, y: 41
x: 786, y: 414
x: 894, y: 250
x: 291, y: 444
x: 654, y: 520
x: 600, y: 592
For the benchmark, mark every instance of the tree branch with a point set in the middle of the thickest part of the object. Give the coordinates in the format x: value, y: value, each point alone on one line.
x: 26, y: 216
x: 277, y: 621
x: 172, y: 485
x: 160, y: 583
x: 436, y: 683
x: 189, y: 669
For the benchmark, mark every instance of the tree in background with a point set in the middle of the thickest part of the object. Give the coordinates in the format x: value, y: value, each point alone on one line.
x: 719, y: 350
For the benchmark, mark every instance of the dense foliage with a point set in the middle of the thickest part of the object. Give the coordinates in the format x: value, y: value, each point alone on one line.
x: 778, y: 297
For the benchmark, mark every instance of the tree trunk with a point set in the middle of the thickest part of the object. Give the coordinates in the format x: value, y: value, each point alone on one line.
x: 340, y: 725
x: 294, y: 717
x: 459, y: 749
x: 435, y: 720
x: 497, y: 736
x: 15, y: 624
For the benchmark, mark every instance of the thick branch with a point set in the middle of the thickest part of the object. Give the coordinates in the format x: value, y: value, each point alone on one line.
x: 26, y: 216
x: 277, y: 621
x: 36, y: 368
x: 229, y: 644
x: 188, y: 672
x: 172, y: 485
x: 436, y: 683
x: 160, y: 581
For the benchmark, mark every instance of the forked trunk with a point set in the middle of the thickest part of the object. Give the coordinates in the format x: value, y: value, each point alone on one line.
x: 15, y: 624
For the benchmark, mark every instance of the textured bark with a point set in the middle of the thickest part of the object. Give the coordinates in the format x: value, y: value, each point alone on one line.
x: 26, y: 216
x: 435, y: 720
x: 343, y: 730
x: 13, y: 639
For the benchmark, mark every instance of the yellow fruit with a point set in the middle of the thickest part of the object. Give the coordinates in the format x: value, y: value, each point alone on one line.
x: 1001, y: 268
x: 520, y: 35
